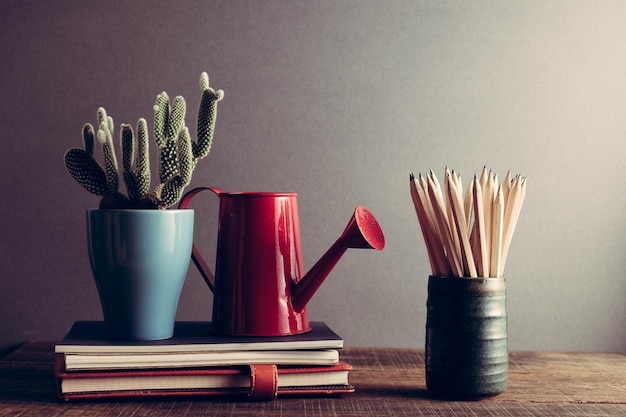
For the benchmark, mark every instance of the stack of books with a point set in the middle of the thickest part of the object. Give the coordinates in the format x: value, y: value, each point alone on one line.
x: 196, y: 361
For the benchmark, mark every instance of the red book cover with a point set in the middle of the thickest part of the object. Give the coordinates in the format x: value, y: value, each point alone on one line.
x: 254, y: 381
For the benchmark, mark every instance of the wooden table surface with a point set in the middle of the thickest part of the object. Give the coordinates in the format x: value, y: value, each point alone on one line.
x: 390, y: 382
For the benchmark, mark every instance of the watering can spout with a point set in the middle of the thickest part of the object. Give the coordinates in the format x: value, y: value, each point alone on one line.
x: 362, y: 232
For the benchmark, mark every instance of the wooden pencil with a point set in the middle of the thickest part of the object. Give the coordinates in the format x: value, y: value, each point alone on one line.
x: 516, y: 199
x: 496, y: 234
x: 439, y: 209
x: 468, y: 204
x: 460, y: 227
x: 506, y: 186
x: 438, y: 249
x: 423, y: 222
x: 481, y: 255
x: 449, y: 214
x: 485, y: 184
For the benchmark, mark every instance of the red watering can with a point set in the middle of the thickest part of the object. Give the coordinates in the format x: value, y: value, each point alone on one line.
x: 259, y: 287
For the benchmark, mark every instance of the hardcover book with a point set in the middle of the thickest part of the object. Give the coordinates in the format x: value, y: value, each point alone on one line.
x: 192, y: 336
x: 234, y: 380
x: 108, y: 361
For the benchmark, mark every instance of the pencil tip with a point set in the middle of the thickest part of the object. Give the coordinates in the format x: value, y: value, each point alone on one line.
x: 411, y: 177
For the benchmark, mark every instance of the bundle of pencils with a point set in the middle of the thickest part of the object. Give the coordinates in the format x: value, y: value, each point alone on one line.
x: 467, y: 236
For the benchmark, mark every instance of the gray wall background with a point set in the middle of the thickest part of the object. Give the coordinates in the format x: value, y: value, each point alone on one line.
x: 338, y: 101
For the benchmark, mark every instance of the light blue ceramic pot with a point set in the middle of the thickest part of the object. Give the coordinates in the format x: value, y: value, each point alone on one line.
x: 139, y: 260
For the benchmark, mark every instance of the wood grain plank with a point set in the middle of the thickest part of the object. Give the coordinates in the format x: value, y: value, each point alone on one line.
x: 390, y: 382
x: 533, y: 376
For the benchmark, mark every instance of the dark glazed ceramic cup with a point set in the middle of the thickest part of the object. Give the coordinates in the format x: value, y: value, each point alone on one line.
x: 466, y: 337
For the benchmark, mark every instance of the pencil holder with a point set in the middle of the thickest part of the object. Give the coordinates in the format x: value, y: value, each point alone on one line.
x: 466, y: 337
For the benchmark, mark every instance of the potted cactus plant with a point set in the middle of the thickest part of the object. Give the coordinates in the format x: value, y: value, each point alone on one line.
x: 139, y: 249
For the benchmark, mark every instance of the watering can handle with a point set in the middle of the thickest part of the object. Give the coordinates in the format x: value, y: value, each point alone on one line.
x: 198, y: 260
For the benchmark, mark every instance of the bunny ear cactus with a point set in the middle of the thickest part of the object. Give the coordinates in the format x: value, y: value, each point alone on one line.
x: 136, y: 163
x: 207, y: 112
x: 88, y: 172
x: 178, y: 153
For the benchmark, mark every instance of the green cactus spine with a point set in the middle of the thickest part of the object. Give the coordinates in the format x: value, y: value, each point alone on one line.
x: 178, y: 154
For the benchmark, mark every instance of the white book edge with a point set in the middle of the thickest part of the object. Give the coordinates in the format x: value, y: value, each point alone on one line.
x: 189, y: 382
x: 74, y: 362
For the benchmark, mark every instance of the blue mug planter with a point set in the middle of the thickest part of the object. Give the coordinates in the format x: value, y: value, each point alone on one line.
x: 139, y: 260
